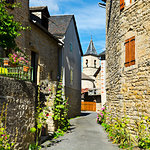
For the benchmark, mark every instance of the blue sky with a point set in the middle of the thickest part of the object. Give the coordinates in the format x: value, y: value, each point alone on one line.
x: 90, y: 18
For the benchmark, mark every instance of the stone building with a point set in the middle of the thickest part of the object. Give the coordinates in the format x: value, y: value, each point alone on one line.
x: 42, y: 49
x: 64, y: 28
x: 128, y: 57
x: 19, y: 95
x: 91, y: 76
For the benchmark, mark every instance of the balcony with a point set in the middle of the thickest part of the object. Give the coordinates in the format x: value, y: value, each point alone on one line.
x: 18, y: 72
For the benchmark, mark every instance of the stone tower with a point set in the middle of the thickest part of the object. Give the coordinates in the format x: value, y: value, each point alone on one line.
x: 90, y: 60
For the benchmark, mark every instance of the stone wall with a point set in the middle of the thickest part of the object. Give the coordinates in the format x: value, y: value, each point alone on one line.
x: 21, y: 14
x: 47, y: 49
x: 74, y: 103
x: 20, y: 97
x: 128, y: 88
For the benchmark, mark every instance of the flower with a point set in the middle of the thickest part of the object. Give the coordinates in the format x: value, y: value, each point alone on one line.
x: 49, y: 89
x: 103, y: 108
x: 3, y: 134
x: 47, y: 115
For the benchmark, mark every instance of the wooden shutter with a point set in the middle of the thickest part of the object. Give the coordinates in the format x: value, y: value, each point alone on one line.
x: 132, y: 51
x: 127, y: 53
x: 121, y: 4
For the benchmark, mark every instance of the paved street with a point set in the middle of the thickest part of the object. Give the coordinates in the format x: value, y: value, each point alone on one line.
x: 85, y: 134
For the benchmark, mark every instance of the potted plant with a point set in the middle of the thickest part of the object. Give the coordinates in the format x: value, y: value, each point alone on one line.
x: 14, y: 59
x: 17, y: 60
x: 6, y: 62
x: 25, y: 68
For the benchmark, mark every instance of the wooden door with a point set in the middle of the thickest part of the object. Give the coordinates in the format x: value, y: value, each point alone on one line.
x: 88, y: 106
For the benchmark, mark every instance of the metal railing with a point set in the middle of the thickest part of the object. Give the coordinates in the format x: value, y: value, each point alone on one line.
x: 16, y: 72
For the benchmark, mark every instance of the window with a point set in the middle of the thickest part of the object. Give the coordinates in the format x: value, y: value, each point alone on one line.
x: 124, y: 3
x: 71, y: 76
x: 34, y: 64
x: 94, y: 63
x: 86, y: 63
x: 70, y: 47
x: 130, y: 52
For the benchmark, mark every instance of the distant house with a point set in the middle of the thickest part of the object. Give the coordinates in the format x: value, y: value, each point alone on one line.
x: 91, y: 77
x: 64, y: 28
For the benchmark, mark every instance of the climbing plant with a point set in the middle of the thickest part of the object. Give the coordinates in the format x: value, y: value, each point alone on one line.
x: 6, y: 142
x: 60, y: 110
x: 41, y: 116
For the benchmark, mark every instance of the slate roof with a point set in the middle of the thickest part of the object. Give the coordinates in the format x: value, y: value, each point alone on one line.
x: 84, y: 90
x: 58, y: 25
x: 102, y: 53
x: 86, y: 77
x: 91, y: 49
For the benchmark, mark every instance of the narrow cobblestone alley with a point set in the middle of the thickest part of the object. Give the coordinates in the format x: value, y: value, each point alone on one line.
x: 85, y: 134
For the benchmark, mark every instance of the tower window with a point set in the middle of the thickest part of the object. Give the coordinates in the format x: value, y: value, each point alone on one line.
x: 94, y: 63
x: 86, y: 63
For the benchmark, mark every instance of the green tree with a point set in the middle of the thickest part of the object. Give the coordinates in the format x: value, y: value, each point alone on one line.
x: 9, y: 28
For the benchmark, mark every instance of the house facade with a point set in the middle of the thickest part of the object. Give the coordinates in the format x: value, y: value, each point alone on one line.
x: 128, y: 57
x: 65, y: 29
x: 42, y: 49
x: 18, y: 94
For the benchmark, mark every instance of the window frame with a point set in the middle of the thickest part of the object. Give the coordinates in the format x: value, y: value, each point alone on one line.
x: 124, y: 4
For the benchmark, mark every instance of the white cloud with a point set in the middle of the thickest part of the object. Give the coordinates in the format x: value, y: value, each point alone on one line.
x: 91, y: 18
x: 88, y: 17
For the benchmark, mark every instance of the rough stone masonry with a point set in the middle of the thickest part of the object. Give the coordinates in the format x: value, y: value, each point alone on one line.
x: 20, y: 97
x: 128, y: 88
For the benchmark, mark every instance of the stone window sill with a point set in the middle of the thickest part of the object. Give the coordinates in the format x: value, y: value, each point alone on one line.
x: 129, y: 68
